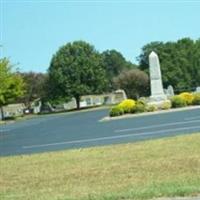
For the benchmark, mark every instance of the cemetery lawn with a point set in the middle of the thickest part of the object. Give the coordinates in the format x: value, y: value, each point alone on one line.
x: 143, y: 170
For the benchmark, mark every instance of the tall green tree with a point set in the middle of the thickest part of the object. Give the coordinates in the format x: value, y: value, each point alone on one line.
x: 180, y: 62
x: 76, y: 70
x: 12, y: 84
x: 114, y: 63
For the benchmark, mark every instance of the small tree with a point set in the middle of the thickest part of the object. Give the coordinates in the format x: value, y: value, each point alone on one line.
x: 34, y: 85
x: 134, y: 82
x: 12, y: 85
x: 76, y: 70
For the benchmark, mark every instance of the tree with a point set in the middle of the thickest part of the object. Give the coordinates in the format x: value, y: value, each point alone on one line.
x: 34, y: 85
x: 180, y: 62
x: 114, y: 63
x: 134, y: 82
x: 12, y: 85
x: 76, y: 70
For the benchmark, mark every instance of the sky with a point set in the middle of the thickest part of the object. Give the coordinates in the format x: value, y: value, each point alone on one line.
x: 32, y: 31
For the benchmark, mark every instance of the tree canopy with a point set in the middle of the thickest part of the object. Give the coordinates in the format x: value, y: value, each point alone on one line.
x: 76, y: 70
x: 114, y: 63
x: 180, y: 62
x: 34, y: 86
x: 12, y: 84
x: 134, y: 82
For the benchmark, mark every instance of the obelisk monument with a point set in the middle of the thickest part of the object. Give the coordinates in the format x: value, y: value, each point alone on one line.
x: 157, y: 92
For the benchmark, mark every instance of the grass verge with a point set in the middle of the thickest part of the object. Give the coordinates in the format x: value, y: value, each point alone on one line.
x: 164, y: 167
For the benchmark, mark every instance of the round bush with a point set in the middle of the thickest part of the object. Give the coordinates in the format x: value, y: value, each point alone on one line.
x: 116, y: 111
x: 151, y: 108
x: 166, y: 105
x: 196, y: 99
x: 178, y: 101
x: 127, y: 105
x: 187, y: 97
x: 140, y: 106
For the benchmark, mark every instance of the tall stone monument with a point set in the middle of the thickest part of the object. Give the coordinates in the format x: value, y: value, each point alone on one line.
x: 157, y: 92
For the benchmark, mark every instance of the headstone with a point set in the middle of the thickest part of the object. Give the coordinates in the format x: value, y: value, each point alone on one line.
x: 198, y: 89
x: 170, y: 91
x: 71, y: 104
x: 157, y: 92
x: 120, y: 95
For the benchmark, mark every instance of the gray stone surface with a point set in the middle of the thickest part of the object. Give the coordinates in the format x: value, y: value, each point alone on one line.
x: 198, y: 89
x: 157, y: 92
x: 120, y: 95
x: 170, y: 91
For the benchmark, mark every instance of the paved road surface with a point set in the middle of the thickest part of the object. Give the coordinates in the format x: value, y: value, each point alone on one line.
x: 77, y: 130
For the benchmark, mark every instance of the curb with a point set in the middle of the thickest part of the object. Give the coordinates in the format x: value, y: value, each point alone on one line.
x: 127, y: 116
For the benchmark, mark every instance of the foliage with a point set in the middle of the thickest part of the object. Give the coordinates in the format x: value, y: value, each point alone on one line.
x: 180, y: 62
x: 116, y: 111
x: 114, y: 63
x: 196, y: 99
x: 127, y: 105
x: 35, y: 86
x: 177, y: 102
x: 76, y: 70
x: 188, y: 97
x: 151, y: 108
x: 12, y: 85
x: 140, y: 106
x: 166, y: 105
x: 134, y: 82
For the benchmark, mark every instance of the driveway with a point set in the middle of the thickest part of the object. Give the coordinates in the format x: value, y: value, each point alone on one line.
x: 83, y: 129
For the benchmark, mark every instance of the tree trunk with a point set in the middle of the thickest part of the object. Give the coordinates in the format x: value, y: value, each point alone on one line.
x: 77, y: 102
x: 2, y: 113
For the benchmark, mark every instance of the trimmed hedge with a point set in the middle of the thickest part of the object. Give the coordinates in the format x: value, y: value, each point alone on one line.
x: 187, y: 97
x: 116, y: 111
x: 132, y: 106
x: 178, y: 102
x: 127, y: 105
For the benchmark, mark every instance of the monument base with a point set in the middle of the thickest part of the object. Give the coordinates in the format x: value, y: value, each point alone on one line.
x: 158, y: 100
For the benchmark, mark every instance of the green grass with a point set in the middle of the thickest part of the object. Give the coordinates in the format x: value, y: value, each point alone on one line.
x: 164, y: 167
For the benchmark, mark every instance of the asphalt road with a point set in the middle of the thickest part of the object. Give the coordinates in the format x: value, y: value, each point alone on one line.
x: 78, y: 130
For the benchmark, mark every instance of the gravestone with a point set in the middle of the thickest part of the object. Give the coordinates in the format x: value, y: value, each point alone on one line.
x: 120, y: 95
x: 170, y: 91
x: 198, y: 89
x: 157, y: 92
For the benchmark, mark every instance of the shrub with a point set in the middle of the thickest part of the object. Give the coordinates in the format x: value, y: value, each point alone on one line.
x: 151, y: 108
x: 178, y: 101
x: 140, y: 106
x: 196, y: 99
x: 127, y: 105
x: 166, y: 105
x: 116, y: 111
x: 188, y: 97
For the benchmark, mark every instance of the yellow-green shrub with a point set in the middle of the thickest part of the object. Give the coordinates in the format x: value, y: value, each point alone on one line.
x: 140, y: 106
x: 178, y: 101
x: 151, y: 108
x: 127, y: 105
x: 166, y: 105
x: 116, y: 111
x: 187, y: 97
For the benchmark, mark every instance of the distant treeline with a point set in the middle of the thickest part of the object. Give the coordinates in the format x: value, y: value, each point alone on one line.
x: 78, y: 69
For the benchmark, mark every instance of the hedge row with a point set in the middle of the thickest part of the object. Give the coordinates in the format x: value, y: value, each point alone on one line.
x: 185, y: 99
x: 132, y: 106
